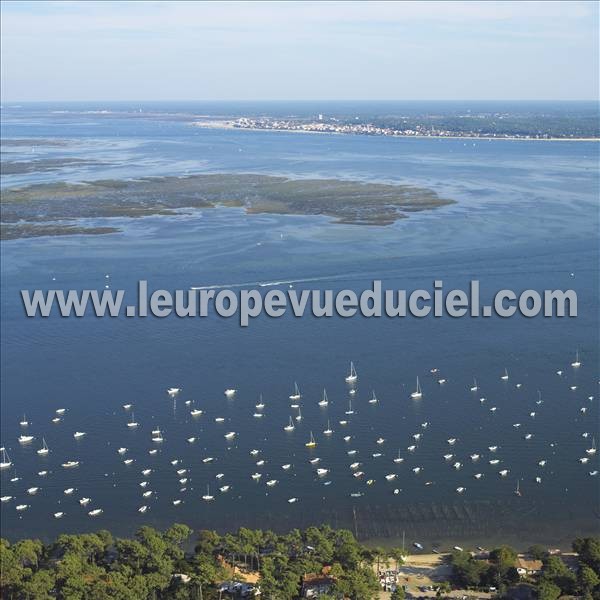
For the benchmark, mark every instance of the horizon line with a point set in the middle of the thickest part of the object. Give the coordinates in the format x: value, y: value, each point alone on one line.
x: 596, y: 100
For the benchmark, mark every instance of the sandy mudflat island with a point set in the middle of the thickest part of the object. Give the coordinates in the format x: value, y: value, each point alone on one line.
x: 54, y: 208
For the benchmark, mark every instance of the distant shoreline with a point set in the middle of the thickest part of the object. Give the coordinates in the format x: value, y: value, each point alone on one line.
x: 228, y: 124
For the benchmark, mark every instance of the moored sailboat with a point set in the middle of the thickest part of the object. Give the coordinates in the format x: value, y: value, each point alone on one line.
x: 44, y: 449
x: 352, y: 376
x: 5, y: 463
x: 296, y: 395
x: 418, y: 393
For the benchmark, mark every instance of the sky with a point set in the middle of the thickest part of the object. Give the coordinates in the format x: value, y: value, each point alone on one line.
x: 61, y: 51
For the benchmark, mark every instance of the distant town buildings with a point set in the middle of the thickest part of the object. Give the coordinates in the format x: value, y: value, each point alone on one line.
x: 334, y: 126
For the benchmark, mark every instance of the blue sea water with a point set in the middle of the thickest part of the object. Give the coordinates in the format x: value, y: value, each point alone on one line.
x: 526, y: 216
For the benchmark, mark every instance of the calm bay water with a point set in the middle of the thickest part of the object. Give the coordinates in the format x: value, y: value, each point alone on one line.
x: 526, y: 217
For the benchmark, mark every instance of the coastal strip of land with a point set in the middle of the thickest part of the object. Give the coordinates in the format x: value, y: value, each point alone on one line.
x: 54, y: 208
x: 317, y: 562
x: 370, y: 129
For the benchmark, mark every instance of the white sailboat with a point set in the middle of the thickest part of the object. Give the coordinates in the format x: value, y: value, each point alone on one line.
x: 474, y: 387
x: 350, y: 411
x: 6, y: 462
x: 352, y: 376
x: 24, y: 422
x: 591, y: 451
x: 289, y: 426
x: 132, y: 422
x: 325, y: 400
x: 418, y: 393
x: 208, y: 497
x: 576, y: 363
x: 44, y: 449
x: 173, y: 392
x: 296, y: 395
x: 328, y: 431
x: 299, y: 415
x: 505, y: 376
x: 373, y: 399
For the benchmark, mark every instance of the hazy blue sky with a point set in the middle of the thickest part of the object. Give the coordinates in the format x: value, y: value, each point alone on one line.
x: 299, y: 50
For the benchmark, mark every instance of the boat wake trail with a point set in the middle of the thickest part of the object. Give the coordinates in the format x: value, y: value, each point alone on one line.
x: 251, y: 284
